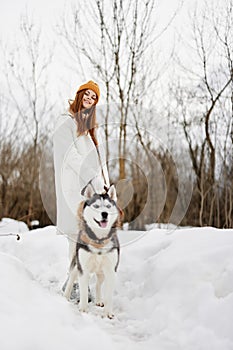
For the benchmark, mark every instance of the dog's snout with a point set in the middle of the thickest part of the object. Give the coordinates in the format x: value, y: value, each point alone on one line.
x: 104, y: 214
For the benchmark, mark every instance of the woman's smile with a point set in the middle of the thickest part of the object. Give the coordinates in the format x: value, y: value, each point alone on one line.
x: 89, y: 99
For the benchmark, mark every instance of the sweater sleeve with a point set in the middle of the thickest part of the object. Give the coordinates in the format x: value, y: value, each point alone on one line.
x: 72, y: 152
x: 63, y: 139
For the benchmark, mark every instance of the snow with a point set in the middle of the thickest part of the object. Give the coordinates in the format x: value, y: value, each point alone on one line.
x: 174, y: 291
x: 8, y: 225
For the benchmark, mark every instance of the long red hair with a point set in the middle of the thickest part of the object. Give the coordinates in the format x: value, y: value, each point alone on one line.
x: 87, y: 124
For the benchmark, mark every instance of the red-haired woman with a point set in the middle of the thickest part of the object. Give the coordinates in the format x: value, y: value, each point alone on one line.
x: 79, y: 158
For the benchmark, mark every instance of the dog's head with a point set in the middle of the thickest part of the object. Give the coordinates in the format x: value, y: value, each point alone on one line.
x: 100, y: 211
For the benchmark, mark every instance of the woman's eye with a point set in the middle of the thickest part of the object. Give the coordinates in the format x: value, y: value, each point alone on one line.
x: 87, y: 93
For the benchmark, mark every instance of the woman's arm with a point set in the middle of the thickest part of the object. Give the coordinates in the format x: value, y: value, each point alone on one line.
x: 72, y: 153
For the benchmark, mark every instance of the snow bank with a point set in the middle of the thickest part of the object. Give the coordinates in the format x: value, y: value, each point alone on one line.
x: 34, y: 317
x: 179, y: 288
x: 174, y: 291
x: 8, y: 225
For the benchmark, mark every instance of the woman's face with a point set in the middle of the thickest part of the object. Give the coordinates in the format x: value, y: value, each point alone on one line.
x: 89, y: 99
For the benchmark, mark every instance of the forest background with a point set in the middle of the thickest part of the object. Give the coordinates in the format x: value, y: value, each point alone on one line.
x: 166, y: 107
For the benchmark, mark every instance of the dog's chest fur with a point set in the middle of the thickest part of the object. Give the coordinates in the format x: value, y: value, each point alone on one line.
x: 96, y: 263
x: 95, y: 257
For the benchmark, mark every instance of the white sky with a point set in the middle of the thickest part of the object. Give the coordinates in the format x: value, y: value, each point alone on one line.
x: 44, y: 10
x: 47, y: 13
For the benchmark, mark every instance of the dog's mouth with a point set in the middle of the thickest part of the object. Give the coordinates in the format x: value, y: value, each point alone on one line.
x: 103, y: 223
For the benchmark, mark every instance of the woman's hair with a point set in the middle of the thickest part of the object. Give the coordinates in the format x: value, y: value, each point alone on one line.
x: 87, y: 124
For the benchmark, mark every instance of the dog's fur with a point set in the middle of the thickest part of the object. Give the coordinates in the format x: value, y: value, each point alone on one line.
x: 97, y: 248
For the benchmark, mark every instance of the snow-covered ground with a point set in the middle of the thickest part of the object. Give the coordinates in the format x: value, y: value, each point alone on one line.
x: 174, y: 291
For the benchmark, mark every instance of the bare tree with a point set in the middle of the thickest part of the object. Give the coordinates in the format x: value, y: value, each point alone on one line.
x: 9, y: 160
x: 120, y: 49
x: 201, y: 102
x: 26, y: 71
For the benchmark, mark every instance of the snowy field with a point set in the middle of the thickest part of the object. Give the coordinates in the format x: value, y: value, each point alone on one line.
x: 174, y: 291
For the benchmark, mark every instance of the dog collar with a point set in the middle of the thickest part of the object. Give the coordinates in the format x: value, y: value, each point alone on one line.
x: 97, y: 243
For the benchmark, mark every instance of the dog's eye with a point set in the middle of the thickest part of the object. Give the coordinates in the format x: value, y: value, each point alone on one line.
x: 96, y: 206
x: 108, y: 206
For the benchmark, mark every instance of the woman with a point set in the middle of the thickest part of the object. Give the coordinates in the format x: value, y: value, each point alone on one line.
x: 79, y: 158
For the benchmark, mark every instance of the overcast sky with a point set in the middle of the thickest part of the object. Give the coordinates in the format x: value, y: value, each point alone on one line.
x: 43, y: 10
x: 47, y: 13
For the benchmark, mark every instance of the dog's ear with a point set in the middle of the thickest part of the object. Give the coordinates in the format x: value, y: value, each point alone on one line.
x: 112, y: 193
x: 88, y: 191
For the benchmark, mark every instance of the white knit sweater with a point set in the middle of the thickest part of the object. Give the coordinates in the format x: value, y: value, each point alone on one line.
x: 76, y: 162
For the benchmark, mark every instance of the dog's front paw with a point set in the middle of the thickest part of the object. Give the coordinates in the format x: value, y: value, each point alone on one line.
x: 100, y: 304
x: 83, y: 308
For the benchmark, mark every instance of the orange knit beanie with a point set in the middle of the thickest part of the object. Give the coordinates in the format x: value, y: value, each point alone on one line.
x: 92, y: 86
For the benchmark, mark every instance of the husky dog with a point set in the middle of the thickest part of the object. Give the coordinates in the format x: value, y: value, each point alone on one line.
x: 97, y: 248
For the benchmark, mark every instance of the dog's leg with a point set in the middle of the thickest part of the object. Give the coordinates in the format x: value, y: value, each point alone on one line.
x: 83, y: 286
x: 72, y: 277
x: 72, y: 247
x: 99, y: 282
x: 109, y: 283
